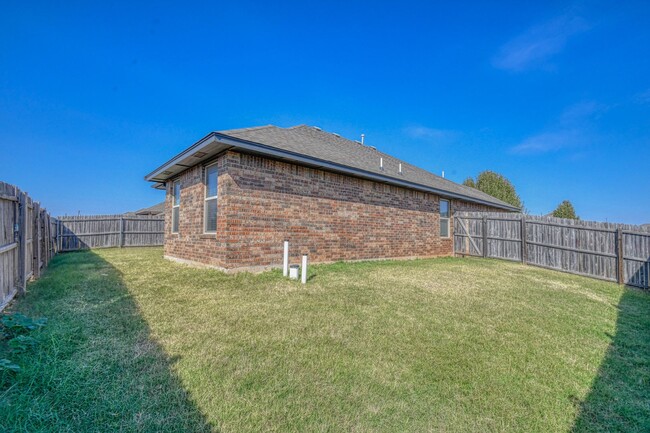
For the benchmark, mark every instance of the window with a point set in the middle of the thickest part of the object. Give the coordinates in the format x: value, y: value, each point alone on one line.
x: 176, y: 190
x: 444, y: 218
x: 210, y: 209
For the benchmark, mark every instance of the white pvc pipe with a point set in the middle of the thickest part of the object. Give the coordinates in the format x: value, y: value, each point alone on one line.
x: 285, y: 266
x: 304, y: 269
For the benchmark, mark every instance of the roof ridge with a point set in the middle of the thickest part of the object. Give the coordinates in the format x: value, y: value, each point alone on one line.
x: 335, y: 134
x: 252, y: 128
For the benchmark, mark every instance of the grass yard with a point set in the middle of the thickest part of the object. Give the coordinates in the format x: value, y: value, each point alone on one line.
x: 137, y: 343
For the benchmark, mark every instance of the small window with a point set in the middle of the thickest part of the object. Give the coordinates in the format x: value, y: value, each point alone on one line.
x: 210, y: 208
x: 444, y: 218
x: 176, y: 205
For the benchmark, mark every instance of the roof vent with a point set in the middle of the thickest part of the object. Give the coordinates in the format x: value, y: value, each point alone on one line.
x: 363, y: 136
x: 381, y: 163
x: 316, y: 128
x: 336, y: 135
x: 400, y: 168
x: 199, y: 154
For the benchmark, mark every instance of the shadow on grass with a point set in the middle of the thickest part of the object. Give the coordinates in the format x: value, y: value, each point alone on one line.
x: 619, y: 400
x: 97, y: 367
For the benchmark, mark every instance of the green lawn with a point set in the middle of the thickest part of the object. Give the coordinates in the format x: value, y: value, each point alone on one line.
x: 137, y: 343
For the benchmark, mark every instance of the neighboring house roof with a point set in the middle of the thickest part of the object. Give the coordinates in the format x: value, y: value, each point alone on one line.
x: 308, y: 145
x: 156, y: 209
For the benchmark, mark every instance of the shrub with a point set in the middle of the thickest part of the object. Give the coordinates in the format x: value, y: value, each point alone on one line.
x: 15, y: 324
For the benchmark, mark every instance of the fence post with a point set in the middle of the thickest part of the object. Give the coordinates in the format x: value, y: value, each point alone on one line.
x: 485, y: 246
x: 468, y: 251
x: 36, y: 240
x: 59, y: 241
x: 121, y: 231
x: 452, y: 235
x: 50, y: 243
x: 46, y: 238
x: 22, y: 250
x: 620, y: 258
x: 524, y: 257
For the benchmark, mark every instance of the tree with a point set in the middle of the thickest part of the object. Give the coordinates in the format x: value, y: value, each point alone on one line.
x: 495, y: 185
x: 565, y: 210
x: 469, y: 182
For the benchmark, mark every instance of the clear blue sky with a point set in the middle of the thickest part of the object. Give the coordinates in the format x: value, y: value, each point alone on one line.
x: 555, y: 96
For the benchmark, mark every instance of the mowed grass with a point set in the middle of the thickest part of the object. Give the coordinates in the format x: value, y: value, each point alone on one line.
x: 137, y: 343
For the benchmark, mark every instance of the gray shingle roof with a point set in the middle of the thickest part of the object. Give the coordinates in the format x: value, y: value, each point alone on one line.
x: 156, y: 209
x: 315, y: 143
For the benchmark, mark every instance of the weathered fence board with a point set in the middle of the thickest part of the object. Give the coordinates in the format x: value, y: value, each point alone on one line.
x: 26, y: 243
x: 613, y: 252
x: 103, y: 231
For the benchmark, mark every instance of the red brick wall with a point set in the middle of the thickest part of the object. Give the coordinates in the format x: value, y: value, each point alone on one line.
x: 332, y: 217
x: 190, y: 243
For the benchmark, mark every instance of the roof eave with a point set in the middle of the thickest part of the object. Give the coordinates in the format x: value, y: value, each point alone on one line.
x: 265, y: 150
x: 190, y: 150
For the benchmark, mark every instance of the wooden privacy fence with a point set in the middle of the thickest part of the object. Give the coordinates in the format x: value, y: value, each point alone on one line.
x: 27, y: 241
x: 613, y: 252
x: 30, y: 237
x: 102, y: 231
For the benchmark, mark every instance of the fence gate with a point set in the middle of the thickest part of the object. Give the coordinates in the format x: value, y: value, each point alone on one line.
x: 468, y: 236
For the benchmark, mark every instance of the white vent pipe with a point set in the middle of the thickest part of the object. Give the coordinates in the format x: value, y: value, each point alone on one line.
x: 285, y: 266
x: 303, y: 270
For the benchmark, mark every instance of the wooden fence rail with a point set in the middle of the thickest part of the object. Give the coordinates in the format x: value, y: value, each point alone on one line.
x: 103, y: 231
x: 613, y: 252
x: 27, y: 241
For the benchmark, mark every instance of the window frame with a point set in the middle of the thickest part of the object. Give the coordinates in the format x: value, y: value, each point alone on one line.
x: 207, y: 198
x: 176, y: 206
x: 445, y: 219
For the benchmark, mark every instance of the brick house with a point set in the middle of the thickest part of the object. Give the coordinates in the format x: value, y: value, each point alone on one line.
x: 234, y: 196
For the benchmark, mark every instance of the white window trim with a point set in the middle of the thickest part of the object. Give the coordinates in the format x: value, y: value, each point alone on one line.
x: 446, y: 219
x: 206, y: 199
x: 174, y: 205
